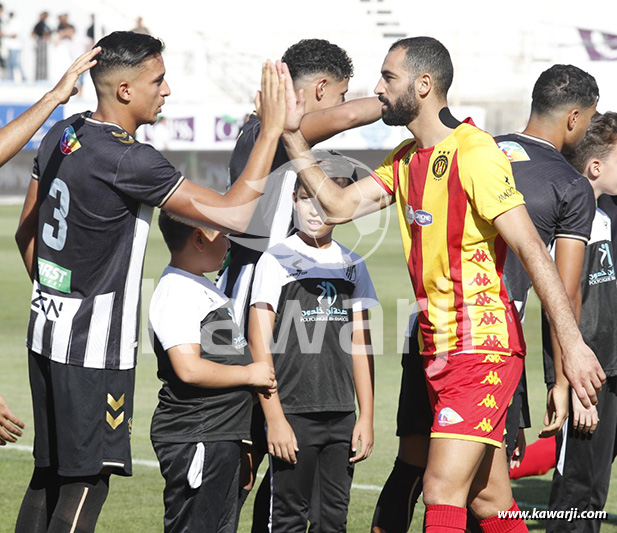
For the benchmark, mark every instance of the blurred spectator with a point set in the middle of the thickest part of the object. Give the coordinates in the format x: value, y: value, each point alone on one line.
x: 41, y: 34
x: 140, y: 28
x: 12, y: 33
x: 91, y: 31
x: 65, y: 29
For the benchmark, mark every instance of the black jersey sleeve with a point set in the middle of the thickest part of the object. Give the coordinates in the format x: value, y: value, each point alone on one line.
x: 244, y: 146
x: 576, y: 211
x: 145, y: 175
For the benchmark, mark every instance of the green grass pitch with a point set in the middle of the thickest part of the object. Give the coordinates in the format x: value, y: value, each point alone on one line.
x: 135, y: 504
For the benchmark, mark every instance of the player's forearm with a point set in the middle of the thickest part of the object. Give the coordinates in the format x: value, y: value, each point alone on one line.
x: 27, y: 228
x: 210, y: 375
x: 15, y: 135
x: 320, y: 125
x: 330, y: 196
x: 363, y: 364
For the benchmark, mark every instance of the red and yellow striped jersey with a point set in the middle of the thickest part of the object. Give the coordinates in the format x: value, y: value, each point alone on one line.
x: 447, y: 197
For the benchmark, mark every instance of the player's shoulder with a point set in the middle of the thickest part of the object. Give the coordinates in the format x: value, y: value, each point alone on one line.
x: 471, y: 138
x: 405, y: 147
x: 347, y: 255
x: 287, y: 248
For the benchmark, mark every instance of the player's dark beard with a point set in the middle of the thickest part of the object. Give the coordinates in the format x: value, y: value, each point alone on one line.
x: 403, y: 111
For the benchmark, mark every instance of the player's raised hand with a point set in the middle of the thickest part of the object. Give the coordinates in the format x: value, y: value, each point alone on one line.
x: 295, y: 103
x: 10, y: 425
x: 65, y: 88
x: 584, y: 373
x: 363, y: 435
x: 557, y: 406
x: 584, y: 419
x: 282, y: 442
x: 270, y: 100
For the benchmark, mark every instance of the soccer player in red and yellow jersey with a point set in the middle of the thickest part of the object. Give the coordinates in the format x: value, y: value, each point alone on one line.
x: 458, y: 208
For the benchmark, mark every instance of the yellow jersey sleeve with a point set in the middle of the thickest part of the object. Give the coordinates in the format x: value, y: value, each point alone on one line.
x: 384, y: 173
x: 486, y: 176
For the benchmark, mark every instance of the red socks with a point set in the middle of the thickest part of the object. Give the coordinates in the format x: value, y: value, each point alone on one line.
x: 539, y: 458
x: 445, y: 519
x: 512, y: 524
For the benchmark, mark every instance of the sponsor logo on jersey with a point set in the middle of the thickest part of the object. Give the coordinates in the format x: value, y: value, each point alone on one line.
x: 606, y: 272
x: 299, y: 272
x: 54, y: 276
x: 69, y: 142
x: 325, y: 309
x: 509, y: 192
x: 440, y: 165
x: 514, y: 151
x: 423, y: 218
x: 448, y: 417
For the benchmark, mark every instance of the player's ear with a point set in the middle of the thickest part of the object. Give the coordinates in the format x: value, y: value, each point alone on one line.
x: 594, y: 169
x: 320, y: 89
x: 573, y: 117
x: 198, y: 239
x: 424, y: 84
x: 124, y: 91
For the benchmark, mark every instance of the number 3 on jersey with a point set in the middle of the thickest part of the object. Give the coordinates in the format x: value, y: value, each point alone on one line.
x: 55, y: 236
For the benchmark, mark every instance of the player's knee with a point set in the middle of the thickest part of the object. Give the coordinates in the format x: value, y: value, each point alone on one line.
x: 439, y: 488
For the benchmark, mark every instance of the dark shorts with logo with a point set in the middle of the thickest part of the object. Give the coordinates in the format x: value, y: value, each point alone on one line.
x: 82, y: 417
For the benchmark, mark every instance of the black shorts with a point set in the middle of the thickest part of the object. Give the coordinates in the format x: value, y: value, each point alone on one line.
x: 201, y: 491
x: 82, y: 417
x: 414, y: 415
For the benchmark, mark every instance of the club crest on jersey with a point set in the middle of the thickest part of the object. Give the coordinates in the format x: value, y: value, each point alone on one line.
x: 448, y: 417
x: 440, y: 165
x: 423, y: 218
x: 69, y: 142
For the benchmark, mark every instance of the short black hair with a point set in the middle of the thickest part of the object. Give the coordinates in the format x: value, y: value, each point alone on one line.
x: 427, y: 54
x: 561, y: 86
x: 317, y: 56
x: 175, y: 232
x: 336, y: 166
x: 124, y: 49
x: 598, y: 142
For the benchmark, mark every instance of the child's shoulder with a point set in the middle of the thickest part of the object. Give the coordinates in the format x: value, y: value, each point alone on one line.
x: 179, y: 287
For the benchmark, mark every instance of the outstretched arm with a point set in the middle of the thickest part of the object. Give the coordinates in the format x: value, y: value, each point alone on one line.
x: 320, y: 125
x: 581, y: 366
x: 15, y: 135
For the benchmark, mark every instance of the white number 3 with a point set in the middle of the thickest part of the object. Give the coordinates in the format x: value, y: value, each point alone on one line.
x: 60, y: 213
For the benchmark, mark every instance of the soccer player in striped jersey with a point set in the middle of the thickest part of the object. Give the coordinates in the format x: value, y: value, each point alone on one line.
x: 458, y: 211
x: 82, y: 235
x: 13, y: 137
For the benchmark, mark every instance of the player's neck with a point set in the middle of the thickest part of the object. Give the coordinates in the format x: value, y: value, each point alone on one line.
x: 428, y: 128
x: 106, y: 114
x: 316, y: 242
x: 545, y: 130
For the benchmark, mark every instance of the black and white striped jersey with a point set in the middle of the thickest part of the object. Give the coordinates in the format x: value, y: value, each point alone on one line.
x: 314, y: 292
x: 97, y: 190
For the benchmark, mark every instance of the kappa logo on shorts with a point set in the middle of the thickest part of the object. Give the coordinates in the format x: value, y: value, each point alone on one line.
x: 489, y: 319
x: 492, y: 342
x: 492, y: 379
x: 489, y: 401
x: 485, y: 425
x: 483, y: 299
x: 493, y: 358
x: 448, y: 417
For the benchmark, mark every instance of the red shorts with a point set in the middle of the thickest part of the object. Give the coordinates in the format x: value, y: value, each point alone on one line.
x: 470, y: 394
